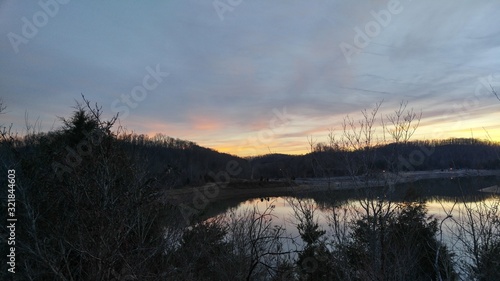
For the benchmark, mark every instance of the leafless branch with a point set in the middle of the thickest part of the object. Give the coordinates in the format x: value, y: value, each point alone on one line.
x: 494, y: 92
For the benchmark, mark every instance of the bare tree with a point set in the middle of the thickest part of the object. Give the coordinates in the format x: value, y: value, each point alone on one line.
x: 378, y: 224
x: 259, y: 243
x: 476, y: 227
x: 402, y: 124
x: 398, y: 128
x: 356, y: 143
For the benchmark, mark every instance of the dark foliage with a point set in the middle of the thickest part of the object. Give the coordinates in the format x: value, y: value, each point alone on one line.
x: 488, y: 263
x: 89, y: 210
x: 399, y: 245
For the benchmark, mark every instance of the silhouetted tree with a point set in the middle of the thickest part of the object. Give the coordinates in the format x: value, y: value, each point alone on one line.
x: 89, y: 211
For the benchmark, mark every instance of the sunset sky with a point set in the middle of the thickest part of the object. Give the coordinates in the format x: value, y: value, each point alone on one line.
x: 253, y: 77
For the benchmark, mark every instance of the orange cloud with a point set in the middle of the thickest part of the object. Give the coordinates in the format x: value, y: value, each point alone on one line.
x: 205, y: 123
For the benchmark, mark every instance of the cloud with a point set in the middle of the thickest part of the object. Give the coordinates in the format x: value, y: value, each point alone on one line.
x: 227, y: 76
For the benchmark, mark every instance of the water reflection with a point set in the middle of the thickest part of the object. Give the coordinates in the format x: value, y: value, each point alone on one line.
x: 440, y: 195
x: 446, y: 200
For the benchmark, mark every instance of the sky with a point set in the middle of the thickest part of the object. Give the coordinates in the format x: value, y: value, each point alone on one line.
x: 253, y: 77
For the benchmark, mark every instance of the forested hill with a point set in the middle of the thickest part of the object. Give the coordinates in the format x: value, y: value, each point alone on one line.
x: 412, y: 156
x: 181, y: 162
x: 175, y: 163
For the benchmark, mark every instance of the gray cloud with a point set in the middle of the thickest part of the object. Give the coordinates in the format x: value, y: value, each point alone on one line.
x: 262, y: 56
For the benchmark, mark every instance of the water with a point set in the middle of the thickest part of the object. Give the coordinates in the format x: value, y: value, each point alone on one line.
x: 446, y: 200
x: 439, y: 195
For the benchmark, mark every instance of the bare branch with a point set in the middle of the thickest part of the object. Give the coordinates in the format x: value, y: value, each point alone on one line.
x: 2, y: 107
x: 494, y: 92
x: 311, y: 142
x: 400, y: 126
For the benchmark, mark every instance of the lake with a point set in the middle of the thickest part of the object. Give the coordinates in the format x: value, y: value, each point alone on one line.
x: 434, y: 192
x: 445, y: 199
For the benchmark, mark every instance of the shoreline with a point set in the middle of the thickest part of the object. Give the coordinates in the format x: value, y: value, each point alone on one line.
x: 247, y: 189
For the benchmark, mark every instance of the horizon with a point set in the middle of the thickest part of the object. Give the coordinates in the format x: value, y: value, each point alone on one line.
x: 253, y: 78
